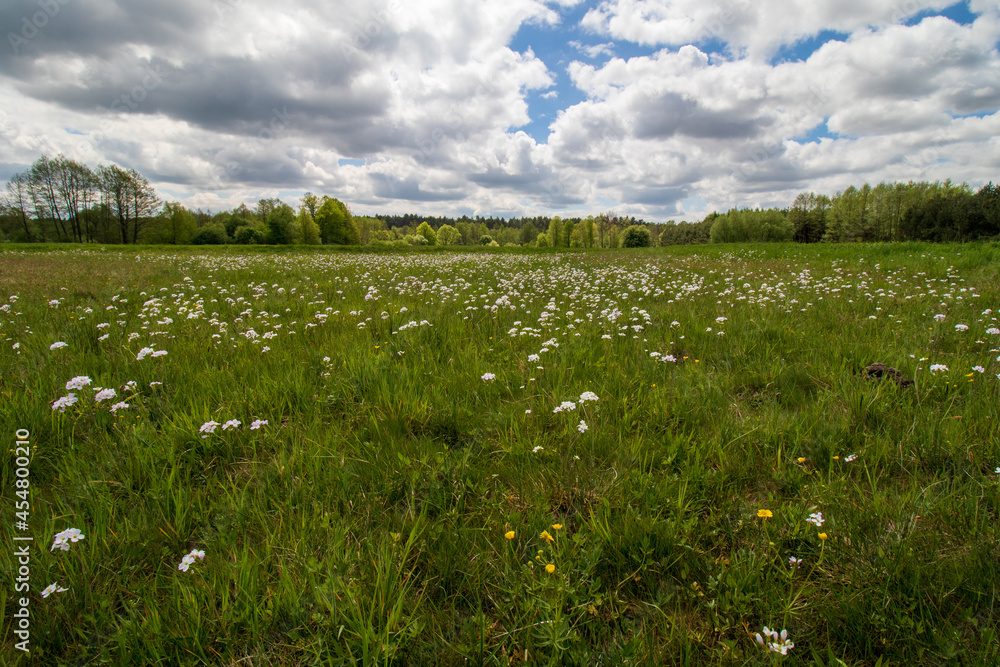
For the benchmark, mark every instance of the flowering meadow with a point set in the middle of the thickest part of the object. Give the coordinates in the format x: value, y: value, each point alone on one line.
x: 680, y: 456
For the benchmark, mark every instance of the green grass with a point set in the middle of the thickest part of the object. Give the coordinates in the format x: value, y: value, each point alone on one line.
x: 366, y: 522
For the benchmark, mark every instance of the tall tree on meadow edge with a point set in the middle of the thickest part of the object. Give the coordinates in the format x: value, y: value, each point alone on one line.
x: 987, y: 201
x: 588, y: 231
x: 553, y: 236
x: 310, y: 230
x: 280, y: 221
x: 425, y: 230
x: 129, y: 198
x: 17, y: 199
x: 808, y: 217
x: 567, y: 233
x: 448, y: 235
x: 311, y: 203
x: 180, y: 225
x: 336, y: 224
x: 43, y: 180
x: 265, y: 206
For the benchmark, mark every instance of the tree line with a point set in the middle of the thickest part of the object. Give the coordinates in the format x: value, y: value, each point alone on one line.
x: 59, y: 199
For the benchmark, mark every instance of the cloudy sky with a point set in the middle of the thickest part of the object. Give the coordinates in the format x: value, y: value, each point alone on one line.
x: 662, y: 109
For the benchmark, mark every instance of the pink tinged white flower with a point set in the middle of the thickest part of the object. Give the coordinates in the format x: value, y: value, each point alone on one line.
x: 231, y: 424
x: 63, y: 539
x: 588, y: 396
x: 939, y: 317
x: 104, y: 395
x: 993, y: 331
x: 582, y: 426
x: 979, y: 369
x: 53, y: 588
x: 537, y: 449
x: 143, y: 353
x: 850, y: 458
x: 209, y: 427
x: 58, y: 346
x: 61, y: 404
x: 794, y: 562
x: 257, y: 423
x: 189, y: 559
x: 961, y: 327
x: 565, y: 406
x: 778, y: 643
x: 489, y: 377
x: 79, y: 382
x: 816, y: 519
x: 121, y: 405
x: 938, y: 368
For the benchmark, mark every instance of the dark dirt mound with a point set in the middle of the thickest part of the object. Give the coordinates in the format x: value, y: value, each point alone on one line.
x: 879, y: 371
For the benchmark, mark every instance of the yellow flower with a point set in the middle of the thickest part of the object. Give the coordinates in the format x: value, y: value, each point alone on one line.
x: 802, y: 459
x: 550, y: 568
x: 509, y: 534
x: 765, y: 514
x: 545, y: 535
x: 822, y: 536
x: 557, y: 526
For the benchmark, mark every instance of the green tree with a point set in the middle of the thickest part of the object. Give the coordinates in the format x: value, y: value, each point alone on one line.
x: 336, y: 224
x: 448, y: 235
x: 542, y: 240
x: 635, y: 236
x: 588, y: 237
x: 428, y: 233
x: 310, y: 230
x: 179, y: 223
x: 555, y: 231
x: 567, y: 233
x: 280, y: 221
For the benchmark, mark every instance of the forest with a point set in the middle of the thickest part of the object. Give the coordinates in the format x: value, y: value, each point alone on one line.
x: 62, y: 200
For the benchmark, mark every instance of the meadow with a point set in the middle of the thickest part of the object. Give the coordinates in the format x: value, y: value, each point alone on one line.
x: 446, y: 458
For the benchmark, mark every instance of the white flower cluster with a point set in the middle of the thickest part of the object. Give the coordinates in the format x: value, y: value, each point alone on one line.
x: 779, y: 643
x: 565, y: 406
x: 188, y: 560
x: 53, y: 588
x: 63, y: 539
x: 816, y: 519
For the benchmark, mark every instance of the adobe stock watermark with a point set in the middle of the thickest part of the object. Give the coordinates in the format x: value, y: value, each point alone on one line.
x: 275, y: 129
x: 364, y: 33
x: 130, y: 100
x: 31, y: 26
x: 21, y: 625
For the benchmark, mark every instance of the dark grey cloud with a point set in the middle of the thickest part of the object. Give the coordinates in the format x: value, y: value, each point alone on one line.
x: 671, y: 114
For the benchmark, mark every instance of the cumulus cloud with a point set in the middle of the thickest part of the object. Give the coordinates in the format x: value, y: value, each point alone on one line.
x: 235, y: 99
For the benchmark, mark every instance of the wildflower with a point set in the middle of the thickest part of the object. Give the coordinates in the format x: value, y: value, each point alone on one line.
x: 779, y: 642
x: 79, y: 382
x: 121, y: 405
x: 231, y: 424
x: 550, y: 568
x: 61, y: 404
x: 257, y: 423
x: 533, y: 357
x: 104, y: 394
x: 961, y: 327
x: 537, y: 449
x: 546, y: 536
x: 53, y: 588
x: 816, y: 519
x: 582, y: 426
x: 765, y: 514
x: 822, y: 536
x: 489, y: 377
x: 208, y: 427
x: 588, y: 396
x: 132, y: 384
x: 509, y: 534
x: 979, y: 369
x: 188, y: 560
x: 155, y: 384
x: 143, y: 353
x: 850, y: 458
x: 63, y: 539
x: 801, y: 459
x: 557, y: 526
x: 993, y: 331
x: 565, y: 405
x: 794, y: 562
x: 58, y: 346
x: 936, y: 368
x: 939, y: 317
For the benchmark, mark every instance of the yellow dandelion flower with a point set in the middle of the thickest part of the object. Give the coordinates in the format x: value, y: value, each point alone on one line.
x: 765, y: 514
x: 509, y: 534
x: 550, y: 568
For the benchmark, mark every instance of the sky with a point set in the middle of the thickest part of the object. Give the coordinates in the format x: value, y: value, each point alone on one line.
x: 659, y: 109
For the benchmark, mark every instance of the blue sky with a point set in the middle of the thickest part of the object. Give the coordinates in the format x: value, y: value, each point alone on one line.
x: 663, y: 109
